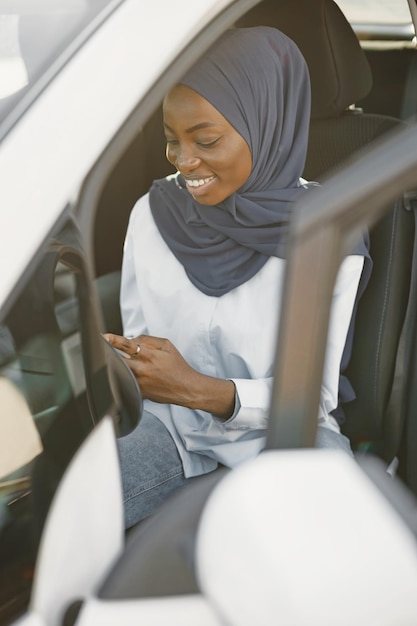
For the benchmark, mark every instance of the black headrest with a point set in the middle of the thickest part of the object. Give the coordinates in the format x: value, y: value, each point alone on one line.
x: 339, y: 71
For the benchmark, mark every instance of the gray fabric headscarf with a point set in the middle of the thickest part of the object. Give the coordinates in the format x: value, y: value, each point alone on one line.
x: 258, y: 80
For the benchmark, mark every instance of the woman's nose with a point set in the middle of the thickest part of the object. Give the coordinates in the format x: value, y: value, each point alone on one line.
x: 184, y: 159
x: 187, y: 162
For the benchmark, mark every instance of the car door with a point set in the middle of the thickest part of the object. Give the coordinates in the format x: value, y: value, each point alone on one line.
x: 56, y: 384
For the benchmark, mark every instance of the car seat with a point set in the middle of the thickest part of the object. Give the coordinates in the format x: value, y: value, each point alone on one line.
x: 340, y: 77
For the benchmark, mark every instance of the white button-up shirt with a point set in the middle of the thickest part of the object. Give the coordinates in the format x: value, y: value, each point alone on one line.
x: 231, y: 337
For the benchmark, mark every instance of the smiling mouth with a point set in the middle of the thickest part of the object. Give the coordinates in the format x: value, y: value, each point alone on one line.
x: 198, y: 182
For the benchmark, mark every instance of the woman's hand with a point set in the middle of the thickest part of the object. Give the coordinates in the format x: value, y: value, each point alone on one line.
x: 162, y: 373
x: 165, y: 376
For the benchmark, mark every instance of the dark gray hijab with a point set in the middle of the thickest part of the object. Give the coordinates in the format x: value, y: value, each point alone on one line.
x: 258, y: 80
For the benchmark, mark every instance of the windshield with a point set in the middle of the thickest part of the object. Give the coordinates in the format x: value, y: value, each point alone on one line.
x: 33, y: 35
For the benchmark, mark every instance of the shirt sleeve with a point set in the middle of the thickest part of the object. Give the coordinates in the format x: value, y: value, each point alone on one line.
x: 130, y: 303
x: 253, y: 397
x: 252, y: 400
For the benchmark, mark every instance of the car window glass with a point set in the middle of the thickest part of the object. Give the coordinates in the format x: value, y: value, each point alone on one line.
x: 376, y: 11
x: 33, y: 33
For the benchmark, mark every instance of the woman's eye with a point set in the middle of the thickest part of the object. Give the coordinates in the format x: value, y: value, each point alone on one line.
x: 208, y: 144
x: 201, y: 144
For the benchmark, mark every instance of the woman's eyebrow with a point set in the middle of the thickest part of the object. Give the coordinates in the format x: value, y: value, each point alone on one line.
x: 193, y: 128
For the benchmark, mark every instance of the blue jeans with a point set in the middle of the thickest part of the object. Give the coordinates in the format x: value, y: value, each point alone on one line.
x: 152, y: 470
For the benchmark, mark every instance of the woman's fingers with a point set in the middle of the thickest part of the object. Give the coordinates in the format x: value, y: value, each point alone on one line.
x: 130, y: 347
x: 161, y: 371
x: 157, y: 343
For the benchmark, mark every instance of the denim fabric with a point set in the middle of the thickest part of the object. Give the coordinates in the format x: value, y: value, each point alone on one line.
x: 152, y: 470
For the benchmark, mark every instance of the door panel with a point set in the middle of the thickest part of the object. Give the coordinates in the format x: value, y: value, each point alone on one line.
x: 55, y: 385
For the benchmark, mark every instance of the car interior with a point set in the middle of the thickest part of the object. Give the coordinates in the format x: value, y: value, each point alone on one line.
x: 360, y: 92
x: 341, y: 77
x: 348, y: 115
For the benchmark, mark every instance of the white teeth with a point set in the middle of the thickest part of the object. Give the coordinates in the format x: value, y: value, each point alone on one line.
x: 199, y: 183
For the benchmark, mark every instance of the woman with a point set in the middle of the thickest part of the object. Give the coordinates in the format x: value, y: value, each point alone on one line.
x: 203, y: 266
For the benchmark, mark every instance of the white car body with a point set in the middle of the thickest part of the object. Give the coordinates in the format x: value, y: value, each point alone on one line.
x: 47, y: 154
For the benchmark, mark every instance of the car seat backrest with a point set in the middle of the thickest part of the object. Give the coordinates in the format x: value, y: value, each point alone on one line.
x: 340, y: 77
x: 339, y: 72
